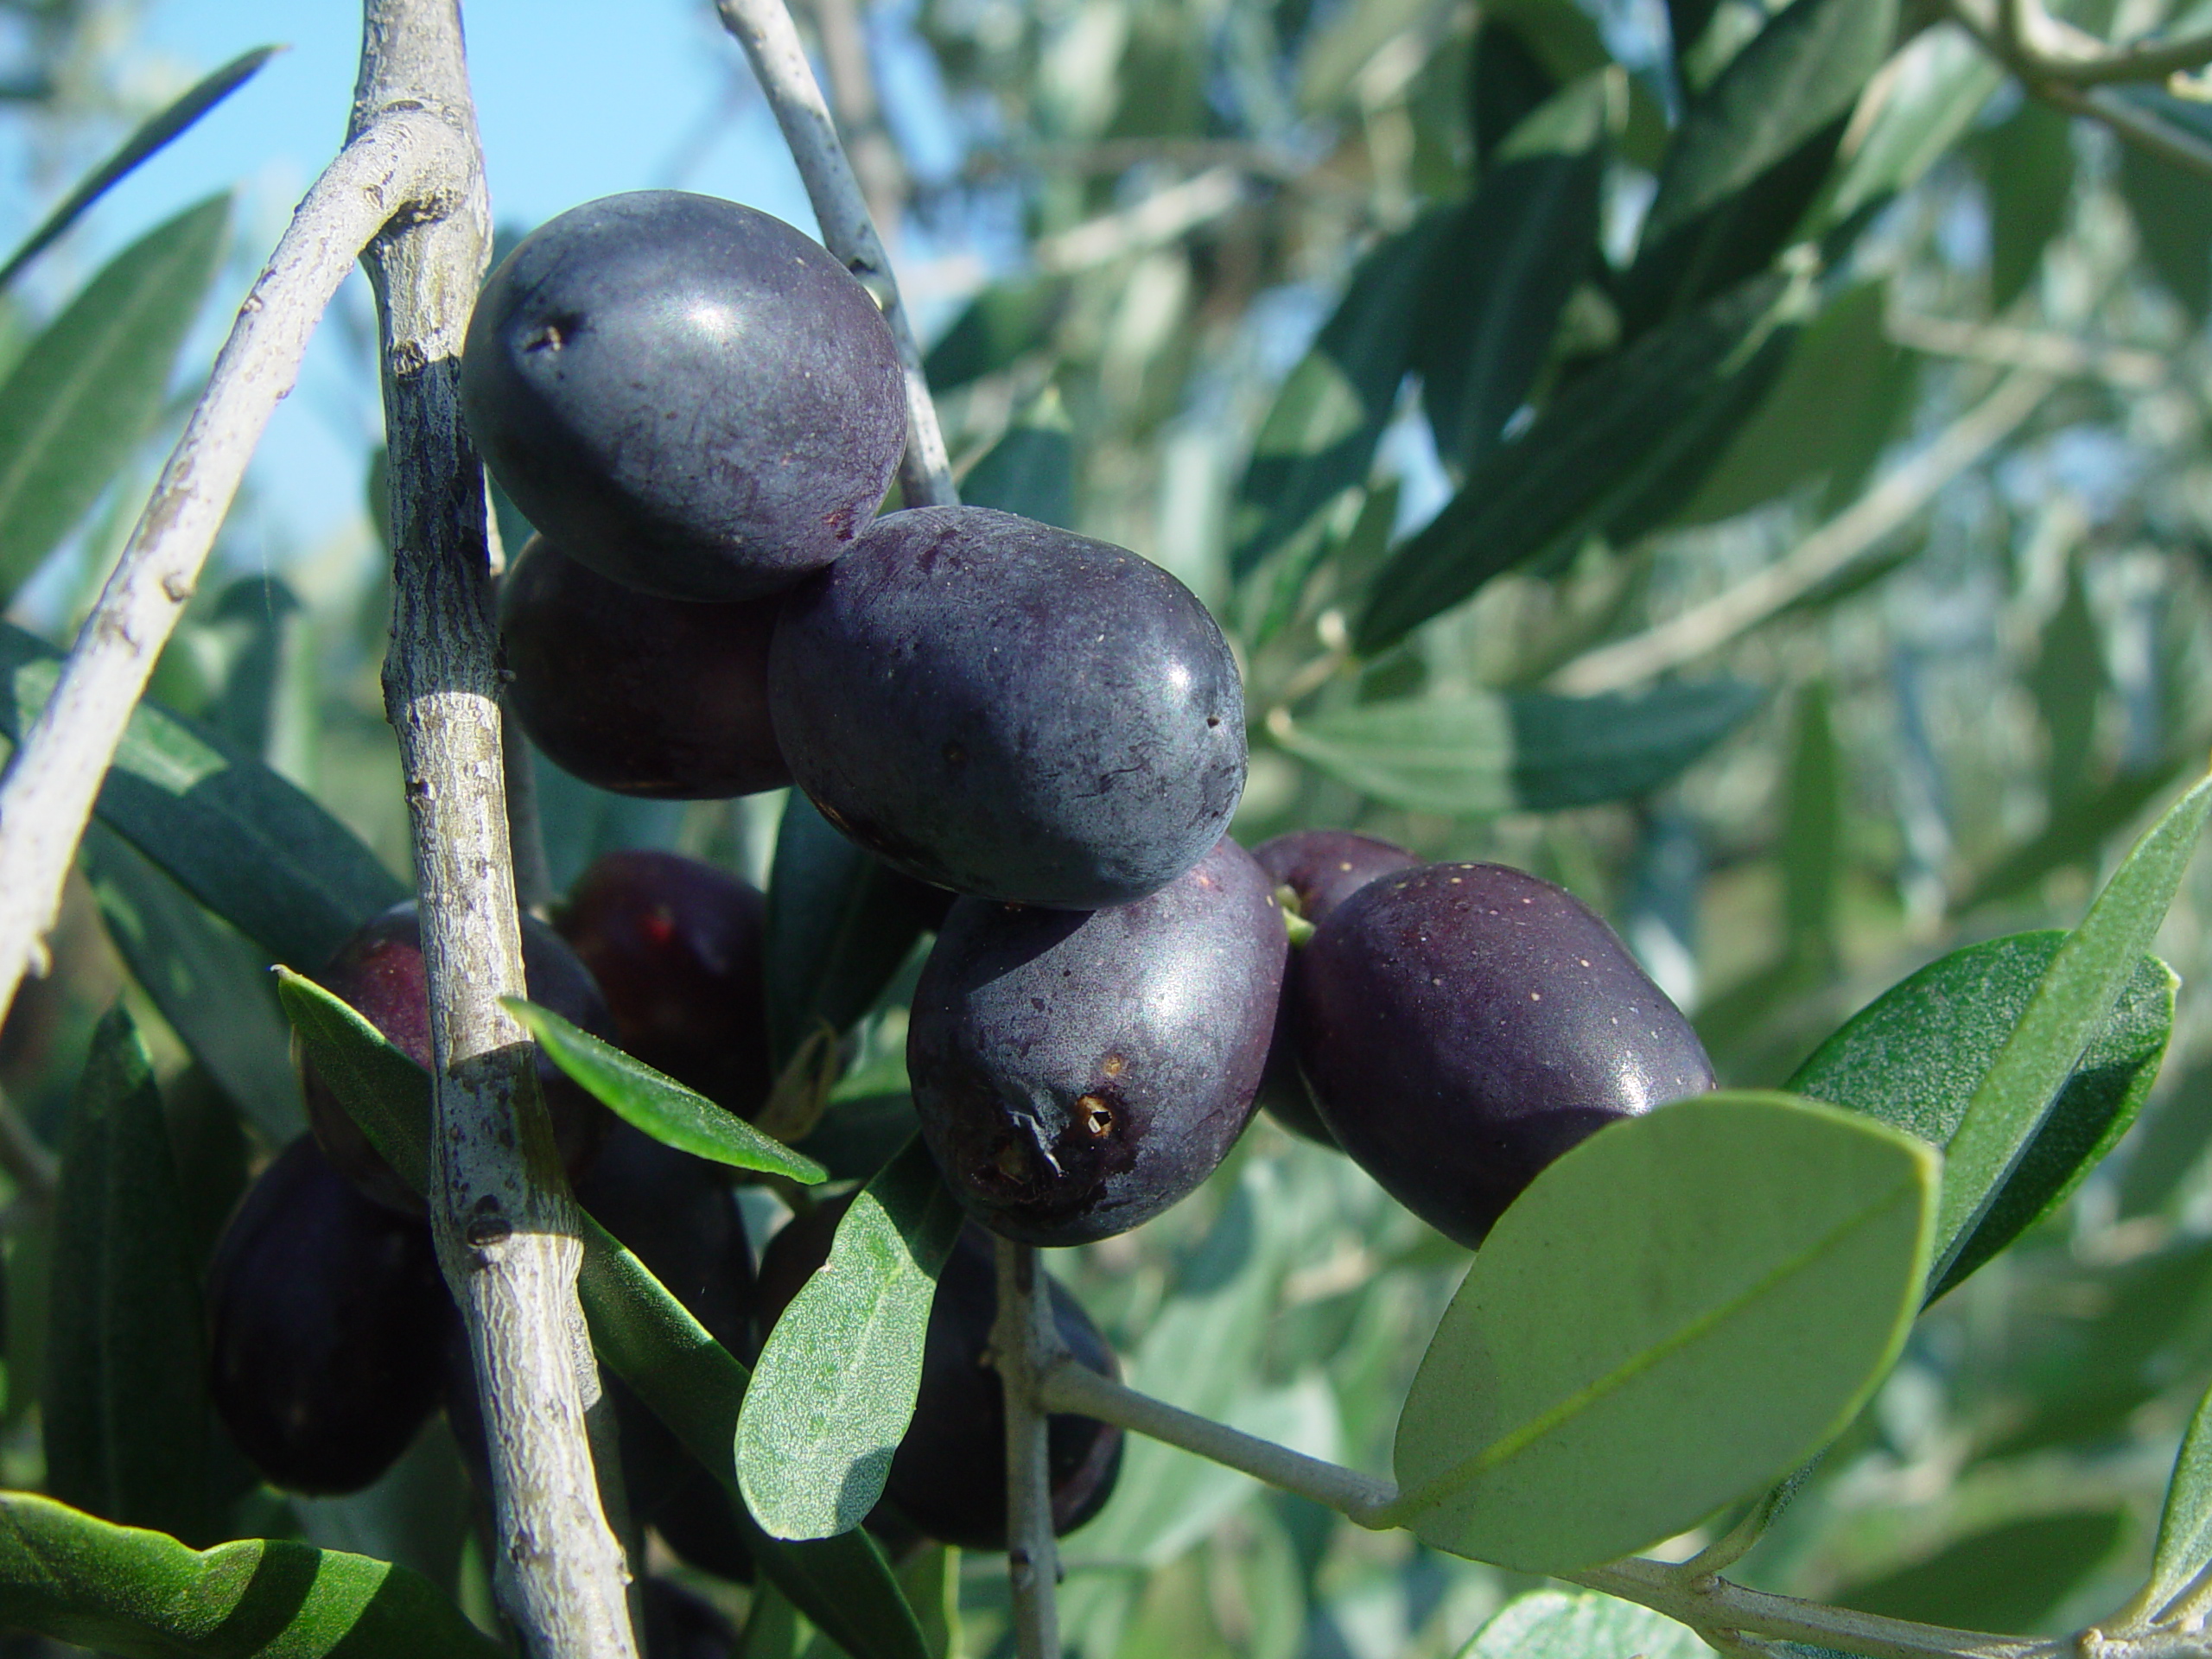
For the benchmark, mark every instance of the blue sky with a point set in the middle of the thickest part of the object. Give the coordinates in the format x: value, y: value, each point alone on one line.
x: 572, y: 104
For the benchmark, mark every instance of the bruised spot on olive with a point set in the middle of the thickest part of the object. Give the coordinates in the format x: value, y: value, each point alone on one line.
x: 954, y: 755
x: 1114, y: 1065
x: 1097, y: 1116
x: 552, y: 334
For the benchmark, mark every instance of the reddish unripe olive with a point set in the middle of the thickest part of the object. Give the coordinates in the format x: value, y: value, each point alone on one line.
x: 1010, y: 710
x: 1462, y: 1025
x: 948, y: 1478
x: 379, y: 973
x: 664, y: 698
x: 1075, y: 1074
x: 689, y: 396
x: 328, y: 1318
x: 676, y: 946
x: 1322, y: 868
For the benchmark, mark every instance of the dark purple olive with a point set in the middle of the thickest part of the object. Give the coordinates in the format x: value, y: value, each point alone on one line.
x: 1009, y: 710
x: 676, y: 946
x: 664, y: 698
x: 327, y: 1320
x: 1462, y: 1025
x: 1322, y: 868
x: 1075, y: 1074
x: 379, y: 973
x: 689, y: 396
x: 948, y: 1477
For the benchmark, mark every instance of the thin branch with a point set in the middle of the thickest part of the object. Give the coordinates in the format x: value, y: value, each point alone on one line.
x: 2042, y: 350
x: 1068, y: 1387
x: 1025, y: 1344
x: 2039, y: 47
x: 1823, y: 555
x: 46, y: 794
x: 506, y: 1228
x: 763, y: 29
x: 875, y: 160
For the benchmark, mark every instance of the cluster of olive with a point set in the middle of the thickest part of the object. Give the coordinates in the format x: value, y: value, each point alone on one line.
x: 700, y: 410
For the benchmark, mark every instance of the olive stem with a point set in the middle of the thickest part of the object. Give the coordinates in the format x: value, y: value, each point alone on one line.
x: 508, y: 1234
x: 1742, y: 1620
x: 396, y: 164
x: 1025, y: 1346
x: 764, y: 29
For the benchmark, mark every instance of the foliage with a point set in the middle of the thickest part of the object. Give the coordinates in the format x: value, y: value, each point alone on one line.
x: 1517, y: 339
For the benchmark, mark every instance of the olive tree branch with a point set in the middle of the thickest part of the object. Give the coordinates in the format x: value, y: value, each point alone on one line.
x: 764, y: 29
x: 1025, y: 1347
x: 1736, y: 1618
x: 2041, y: 48
x: 506, y: 1228
x: 401, y: 162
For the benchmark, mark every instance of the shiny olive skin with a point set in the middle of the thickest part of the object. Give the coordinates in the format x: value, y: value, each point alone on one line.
x: 1009, y: 710
x: 662, y: 698
x: 676, y: 944
x: 689, y: 396
x: 1462, y: 1025
x: 379, y: 972
x: 1075, y: 1074
x: 328, y: 1318
x: 1322, y: 868
x: 948, y: 1478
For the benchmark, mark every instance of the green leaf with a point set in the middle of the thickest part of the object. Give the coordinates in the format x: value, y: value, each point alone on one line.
x: 1914, y: 1057
x: 211, y: 986
x: 999, y: 326
x: 2076, y: 834
x: 1485, y: 321
x: 1519, y: 751
x: 1031, y: 469
x: 145, y: 1596
x: 645, y: 1335
x: 1318, y: 439
x: 1939, y: 83
x: 2185, y: 1527
x: 834, y: 1386
x: 840, y: 923
x: 1812, y: 833
x: 1798, y: 75
x: 1579, y: 1624
x: 85, y: 392
x: 2171, y: 207
x: 1508, y: 82
x: 2074, y: 998
x: 1601, y: 442
x: 650, y: 1100
x: 2009, y: 1577
x: 251, y: 847
x: 125, y: 1396
x: 1831, y: 410
x: 2027, y: 168
x: 1676, y: 1313
x: 153, y: 133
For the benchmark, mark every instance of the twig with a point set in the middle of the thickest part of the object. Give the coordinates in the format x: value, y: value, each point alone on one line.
x: 2046, y: 352
x: 525, y: 829
x: 506, y: 1228
x: 1069, y: 1388
x: 1024, y: 1345
x: 763, y: 29
x: 1876, y: 514
x: 397, y: 163
x: 2041, y: 47
x: 875, y: 160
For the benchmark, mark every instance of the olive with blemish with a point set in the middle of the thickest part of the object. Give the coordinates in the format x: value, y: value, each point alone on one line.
x: 676, y: 944
x: 689, y: 396
x: 327, y: 1320
x: 666, y: 699
x: 379, y: 973
x: 948, y: 1477
x: 1009, y: 710
x: 1322, y: 868
x: 1462, y: 1025
x: 1075, y: 1074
